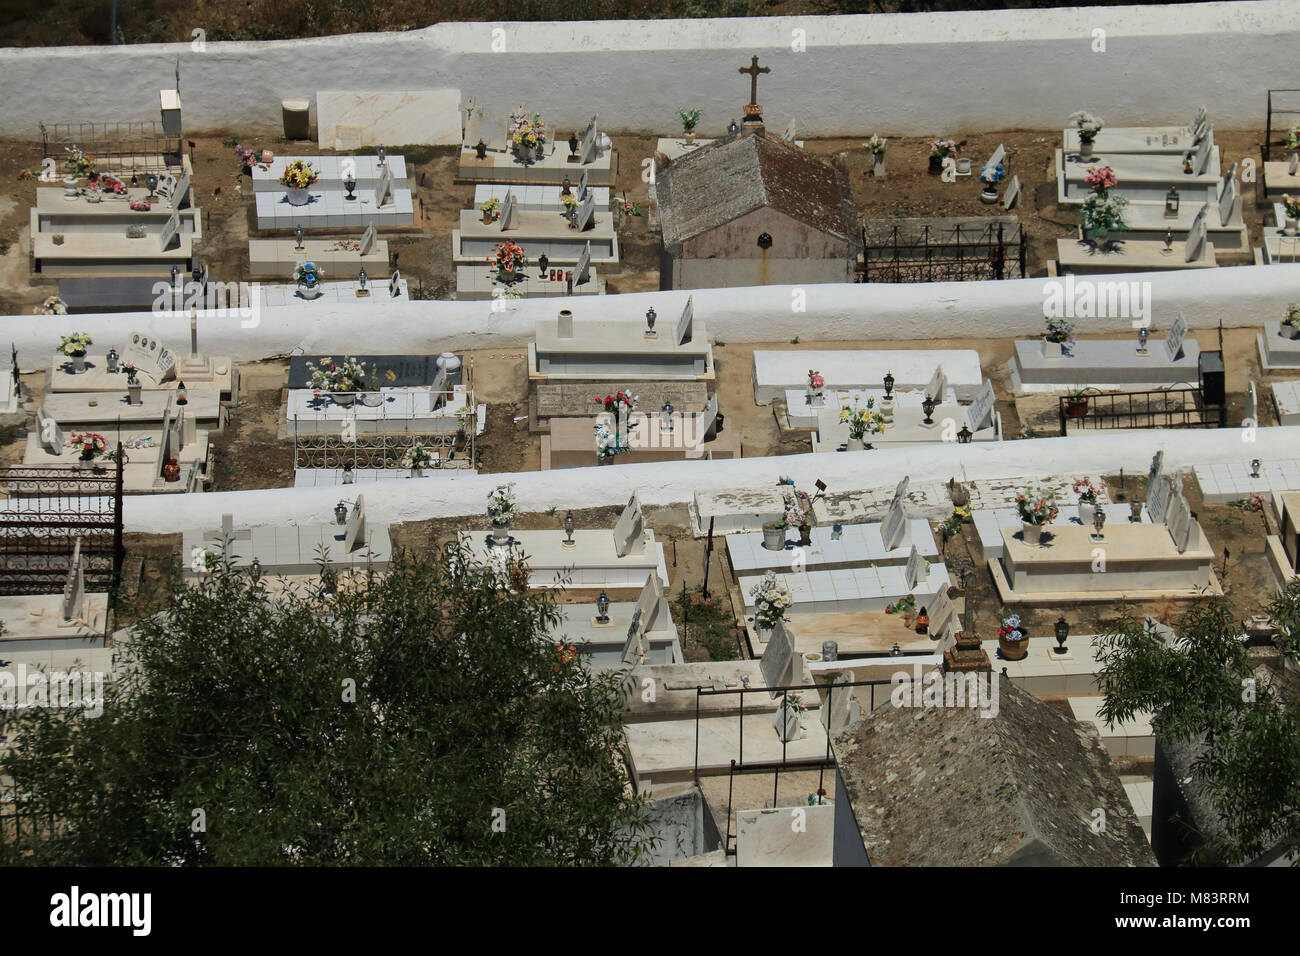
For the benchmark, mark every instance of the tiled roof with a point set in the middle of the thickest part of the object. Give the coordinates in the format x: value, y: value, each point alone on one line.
x: 943, y: 786
x: 727, y: 179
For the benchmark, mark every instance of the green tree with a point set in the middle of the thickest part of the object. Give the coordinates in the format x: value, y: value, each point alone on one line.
x: 1204, y: 689
x: 421, y: 716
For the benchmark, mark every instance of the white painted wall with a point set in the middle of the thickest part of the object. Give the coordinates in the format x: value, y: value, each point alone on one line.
x: 1239, y: 297
x: 666, y: 483
x: 910, y: 74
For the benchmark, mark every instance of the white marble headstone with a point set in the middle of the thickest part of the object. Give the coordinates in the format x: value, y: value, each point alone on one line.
x: 368, y: 240
x: 384, y: 187
x: 1177, y: 332
x: 590, y: 143
x: 709, y: 415
x: 840, y: 709
x: 915, y: 569
x: 181, y: 191
x: 586, y: 212
x: 943, y: 615
x: 900, y: 489
x: 1196, y: 237
x: 583, y: 187
x: 998, y: 156
x: 980, y: 413
x: 1159, y: 493
x: 74, y: 587
x: 51, y: 433
x: 686, y: 324
x: 356, y: 530
x: 509, y: 211
x: 894, y: 529
x: 1012, y: 195
x: 1198, y: 120
x: 777, y: 665
x: 171, y: 230
x: 583, y: 271
x: 1201, y: 161
x: 629, y: 530
x: 1180, y: 522
x: 644, y: 617
x: 938, y: 384
x: 789, y: 133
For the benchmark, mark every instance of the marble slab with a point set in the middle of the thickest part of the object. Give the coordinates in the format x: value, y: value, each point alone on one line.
x: 401, y: 410
x: 1134, y: 139
x: 1142, y: 177
x: 1103, y: 363
x: 535, y: 197
x: 333, y: 293
x: 857, y: 544
x: 1222, y: 482
x: 772, y: 838
x: 737, y: 510
x: 1129, y: 255
x: 989, y: 522
x: 331, y: 172
x: 775, y: 371
x: 1277, y: 352
x: 277, y: 258
x: 499, y: 167
x: 293, y: 550
x: 328, y: 209
x: 480, y: 282
x: 387, y: 118
x: 75, y: 409
x: 850, y: 589
x: 539, y: 233
x: 592, y: 564
x: 1286, y: 399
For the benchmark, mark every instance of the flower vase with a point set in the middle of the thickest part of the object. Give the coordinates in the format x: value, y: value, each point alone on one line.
x: 1051, y: 350
x: 505, y: 275
x: 689, y: 136
x: 887, y: 410
x: 854, y: 444
x: 78, y: 364
x: 1292, y: 226
x: 133, y: 394
x: 487, y: 218
x: 1013, y: 650
x: 171, y: 470
x: 1100, y: 237
x: 1085, y: 150
x: 298, y: 197
x: 417, y: 472
x: 1087, y: 509
x: 785, y: 721
x: 500, y: 532
x: 773, y: 536
x: 878, y: 169
x: 805, y: 534
x: 989, y: 194
x: 343, y: 398
x: 1033, y: 533
x: 936, y: 165
x: 1289, y: 331
x: 309, y: 290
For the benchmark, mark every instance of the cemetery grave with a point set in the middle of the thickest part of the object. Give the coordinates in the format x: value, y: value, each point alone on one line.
x: 589, y: 152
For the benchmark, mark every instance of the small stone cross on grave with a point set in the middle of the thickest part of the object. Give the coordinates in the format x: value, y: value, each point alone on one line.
x: 754, y: 70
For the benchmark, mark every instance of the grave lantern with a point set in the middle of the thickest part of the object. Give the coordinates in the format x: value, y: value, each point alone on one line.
x: 480, y: 150
x: 181, y: 397
x: 349, y: 183
x: 1062, y: 630
x: 112, y: 360
x: 1169, y: 242
x: 348, y: 476
x: 135, y: 180
x: 895, y: 651
x: 341, y: 513
x: 542, y: 262
x: 666, y: 417
x: 1142, y: 340
x: 889, y: 385
x: 732, y: 128
x: 568, y: 528
x: 1254, y: 467
x: 573, y: 144
x: 255, y: 569
x: 650, y: 317
x: 382, y: 154
x: 361, y: 281
x: 1171, y: 203
x: 1098, y: 521
x: 566, y: 187
x: 152, y: 182
x: 927, y: 406
x: 965, y: 435
x: 297, y: 237
x: 602, y: 608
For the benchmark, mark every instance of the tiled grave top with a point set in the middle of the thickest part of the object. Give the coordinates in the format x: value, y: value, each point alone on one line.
x: 989, y: 523
x: 292, y: 550
x: 333, y: 293
x: 1041, y: 661
x: 593, y: 335
x: 1088, y: 709
x: 673, y: 749
x: 534, y: 225
x: 1286, y: 395
x: 1232, y: 482
x: 676, y: 148
x: 329, y: 171
x: 481, y: 281
x: 1277, y: 351
x: 565, y: 399
x: 396, y: 403
x: 907, y: 428
x: 1134, y: 139
x: 1071, y: 544
x: 1130, y: 256
x: 830, y: 590
x: 534, y: 197
x: 778, y: 370
x: 327, y: 209
x: 594, y: 549
x: 409, y: 370
x: 329, y: 477
x: 74, y: 408
x: 1144, y: 168
x: 1105, y: 363
x: 858, y: 544
x: 932, y: 500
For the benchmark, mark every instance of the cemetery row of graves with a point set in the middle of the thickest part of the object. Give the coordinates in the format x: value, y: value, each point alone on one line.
x: 819, y: 594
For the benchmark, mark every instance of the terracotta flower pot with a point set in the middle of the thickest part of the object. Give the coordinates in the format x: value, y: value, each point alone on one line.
x: 1013, y: 650
x: 1076, y: 407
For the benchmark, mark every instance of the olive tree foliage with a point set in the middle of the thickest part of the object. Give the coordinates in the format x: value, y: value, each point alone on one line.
x: 1204, y: 689
x: 422, y: 715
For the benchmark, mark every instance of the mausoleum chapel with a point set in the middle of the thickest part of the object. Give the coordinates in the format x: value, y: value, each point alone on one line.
x: 882, y: 430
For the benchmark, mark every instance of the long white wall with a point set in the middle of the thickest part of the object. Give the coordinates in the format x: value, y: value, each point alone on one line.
x: 905, y: 74
x: 1237, y: 297
x: 676, y: 482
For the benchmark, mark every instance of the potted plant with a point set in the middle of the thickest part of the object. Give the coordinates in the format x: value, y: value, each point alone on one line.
x: 1290, y: 327
x: 491, y: 210
x: 1291, y: 207
x: 133, y: 386
x: 297, y: 178
x: 90, y: 445
x: 527, y: 136
x: 816, y: 388
x: 1076, y: 403
x: 1057, y: 334
x: 501, y: 512
x: 81, y: 165
x: 792, y: 516
x: 570, y: 210
x: 904, y: 606
x: 1088, y: 126
x: 1088, y: 493
x: 771, y: 600
x: 417, y: 458
x: 863, y: 420
x: 786, y: 719
x: 74, y: 346
x: 877, y: 146
x: 509, y: 259
x: 690, y: 119
x: 1035, y: 511
x: 610, y: 443
x: 990, y: 176
x: 940, y: 149
x: 1101, y: 215
x: 1013, y: 642
x: 308, y: 275
x: 341, y: 379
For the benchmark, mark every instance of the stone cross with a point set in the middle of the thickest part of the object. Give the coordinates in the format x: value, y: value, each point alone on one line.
x: 754, y: 70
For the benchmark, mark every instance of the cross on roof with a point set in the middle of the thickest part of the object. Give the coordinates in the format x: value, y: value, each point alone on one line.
x: 753, y: 70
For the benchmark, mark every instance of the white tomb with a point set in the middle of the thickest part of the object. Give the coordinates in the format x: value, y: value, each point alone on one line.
x: 1107, y: 363
x: 1144, y: 177
x: 780, y: 372
x: 329, y: 207
x: 588, y: 347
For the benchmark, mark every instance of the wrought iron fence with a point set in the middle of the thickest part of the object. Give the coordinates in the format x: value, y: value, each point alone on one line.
x: 44, y: 511
x: 128, y: 146
x: 943, y: 251
x: 1154, y: 408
